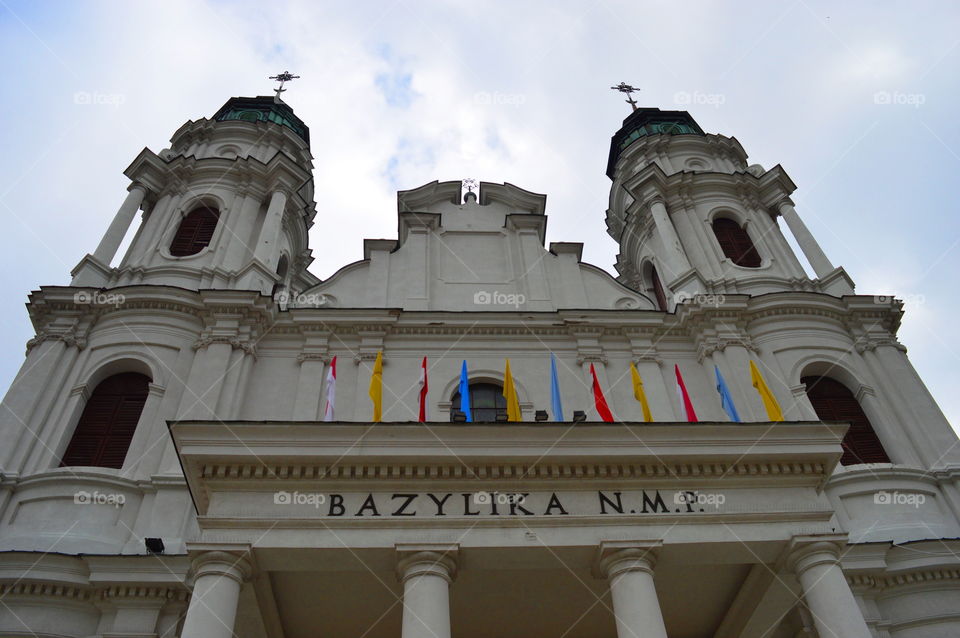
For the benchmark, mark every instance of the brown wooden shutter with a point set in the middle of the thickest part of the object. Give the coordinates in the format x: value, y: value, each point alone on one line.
x: 833, y: 401
x: 195, y: 232
x: 658, y: 289
x: 108, y: 421
x: 736, y: 243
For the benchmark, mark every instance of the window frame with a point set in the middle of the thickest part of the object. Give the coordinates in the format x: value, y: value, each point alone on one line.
x: 195, y: 232
x: 108, y: 422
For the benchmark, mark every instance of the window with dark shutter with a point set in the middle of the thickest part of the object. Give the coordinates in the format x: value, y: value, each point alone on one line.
x: 108, y: 422
x: 736, y: 243
x: 195, y: 232
x: 486, y: 402
x: 833, y: 401
x: 658, y: 289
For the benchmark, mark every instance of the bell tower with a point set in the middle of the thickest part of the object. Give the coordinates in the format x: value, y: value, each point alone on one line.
x: 227, y: 206
x: 693, y: 218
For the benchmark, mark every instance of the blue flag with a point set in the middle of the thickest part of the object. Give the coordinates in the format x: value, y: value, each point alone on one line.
x: 465, y: 393
x: 555, y: 403
x: 725, y: 399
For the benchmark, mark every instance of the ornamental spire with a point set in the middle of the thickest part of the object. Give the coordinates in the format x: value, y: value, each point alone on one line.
x: 626, y: 88
x: 286, y: 76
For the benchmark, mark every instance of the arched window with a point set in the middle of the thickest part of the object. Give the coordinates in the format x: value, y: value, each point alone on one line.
x: 195, y: 232
x: 108, y: 421
x: 736, y: 243
x: 486, y: 402
x: 657, y: 288
x: 833, y: 401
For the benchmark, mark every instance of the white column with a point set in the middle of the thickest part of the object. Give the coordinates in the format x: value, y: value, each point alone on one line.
x: 675, y: 258
x: 307, y: 401
x: 216, y: 593
x: 120, y: 224
x: 832, y: 604
x: 817, y: 258
x: 272, y: 226
x: 426, y: 578
x: 636, y: 608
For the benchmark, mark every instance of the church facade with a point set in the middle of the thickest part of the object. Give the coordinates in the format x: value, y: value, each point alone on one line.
x: 188, y: 449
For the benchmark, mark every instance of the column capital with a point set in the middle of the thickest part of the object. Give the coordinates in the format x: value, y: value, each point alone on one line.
x: 427, y: 560
x: 619, y: 557
x: 786, y: 201
x: 656, y: 199
x: 805, y: 552
x: 138, y: 186
x: 230, y: 563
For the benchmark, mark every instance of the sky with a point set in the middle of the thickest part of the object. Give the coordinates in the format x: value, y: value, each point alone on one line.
x: 855, y: 100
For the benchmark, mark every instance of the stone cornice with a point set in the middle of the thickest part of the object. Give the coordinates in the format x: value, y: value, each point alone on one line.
x: 664, y: 453
x: 917, y: 577
x: 93, y: 594
x: 379, y: 471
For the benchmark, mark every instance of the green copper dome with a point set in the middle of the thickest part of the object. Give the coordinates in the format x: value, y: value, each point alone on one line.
x: 649, y: 121
x: 263, y: 109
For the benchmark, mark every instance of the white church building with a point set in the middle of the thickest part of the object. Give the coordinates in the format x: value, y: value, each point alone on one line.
x: 171, y: 466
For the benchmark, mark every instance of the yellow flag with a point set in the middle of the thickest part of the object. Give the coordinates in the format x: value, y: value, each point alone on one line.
x: 639, y: 394
x: 769, y: 401
x: 376, y: 388
x: 510, y: 394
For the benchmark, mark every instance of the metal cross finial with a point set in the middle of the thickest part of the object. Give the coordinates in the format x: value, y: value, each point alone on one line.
x: 470, y: 183
x: 286, y: 76
x: 623, y: 87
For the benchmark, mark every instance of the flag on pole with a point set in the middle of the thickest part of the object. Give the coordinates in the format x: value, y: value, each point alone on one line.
x: 686, y: 407
x: 769, y: 401
x: 555, y: 403
x: 331, y: 389
x: 376, y: 388
x: 638, y: 392
x: 465, y: 392
x: 423, y: 391
x: 725, y: 399
x: 601, y: 402
x: 510, y: 394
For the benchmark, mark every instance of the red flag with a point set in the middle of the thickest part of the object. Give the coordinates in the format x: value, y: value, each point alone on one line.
x: 685, y: 403
x: 423, y: 391
x: 331, y: 390
x: 602, y: 408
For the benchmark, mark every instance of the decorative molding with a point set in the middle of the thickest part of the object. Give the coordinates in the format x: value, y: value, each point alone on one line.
x: 888, y: 581
x: 710, y: 344
x: 70, y: 337
x: 869, y: 343
x: 236, y: 343
x: 393, y: 471
x: 94, y: 594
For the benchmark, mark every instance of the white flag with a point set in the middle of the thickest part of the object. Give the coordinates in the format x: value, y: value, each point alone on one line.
x: 331, y: 390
